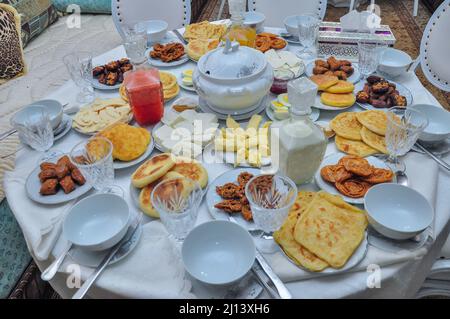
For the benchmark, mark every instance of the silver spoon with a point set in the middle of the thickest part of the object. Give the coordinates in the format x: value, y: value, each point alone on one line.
x: 402, y: 178
x: 51, y: 270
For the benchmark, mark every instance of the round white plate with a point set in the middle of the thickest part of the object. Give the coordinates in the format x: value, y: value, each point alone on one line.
x: 332, y: 159
x: 99, y: 86
x: 397, y: 246
x: 354, y: 78
x: 401, y: 89
x: 319, y: 105
x: 33, y: 185
x: 94, y: 258
x: 358, y: 255
x: 203, y: 105
x: 213, y: 198
x: 314, y: 116
x: 120, y: 164
x: 158, y: 63
x: 185, y: 87
x: 130, y: 118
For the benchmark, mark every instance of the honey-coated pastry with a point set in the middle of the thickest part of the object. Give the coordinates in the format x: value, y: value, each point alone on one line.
x: 354, y: 188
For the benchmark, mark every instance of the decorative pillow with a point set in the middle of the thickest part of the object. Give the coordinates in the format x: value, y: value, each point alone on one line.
x: 86, y: 6
x: 12, y: 62
x: 36, y: 16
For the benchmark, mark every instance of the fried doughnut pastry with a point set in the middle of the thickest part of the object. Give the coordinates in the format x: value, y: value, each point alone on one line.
x: 354, y: 188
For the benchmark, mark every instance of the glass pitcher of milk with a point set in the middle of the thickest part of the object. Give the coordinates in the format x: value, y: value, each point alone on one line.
x: 301, y: 143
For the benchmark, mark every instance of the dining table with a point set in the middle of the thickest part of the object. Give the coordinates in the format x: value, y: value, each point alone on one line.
x: 154, y: 269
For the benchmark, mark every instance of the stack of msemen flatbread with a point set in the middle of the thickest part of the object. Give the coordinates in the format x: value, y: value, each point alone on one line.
x: 101, y: 114
x: 360, y: 133
x: 321, y: 231
x: 204, y: 30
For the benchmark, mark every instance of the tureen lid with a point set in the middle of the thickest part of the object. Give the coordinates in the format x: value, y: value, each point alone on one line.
x: 232, y: 61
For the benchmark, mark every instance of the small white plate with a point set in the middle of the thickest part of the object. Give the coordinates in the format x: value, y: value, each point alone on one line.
x: 33, y: 185
x: 354, y: 78
x: 120, y: 164
x: 99, y: 86
x: 185, y: 87
x: 358, y: 255
x: 314, y: 116
x: 401, y: 89
x: 332, y: 159
x: 158, y: 63
x: 130, y: 118
x: 94, y: 258
x: 213, y: 198
x: 319, y: 105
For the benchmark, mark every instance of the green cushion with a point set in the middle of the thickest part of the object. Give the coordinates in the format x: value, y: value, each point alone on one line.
x: 14, y: 255
x: 36, y: 16
x: 86, y: 6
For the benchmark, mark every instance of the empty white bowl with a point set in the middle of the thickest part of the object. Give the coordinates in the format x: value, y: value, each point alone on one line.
x: 218, y: 252
x: 254, y: 19
x: 53, y: 107
x: 97, y: 222
x: 394, y: 62
x: 438, y: 128
x: 397, y: 211
x: 156, y: 30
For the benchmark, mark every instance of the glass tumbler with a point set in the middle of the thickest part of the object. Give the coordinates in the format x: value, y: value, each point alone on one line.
x: 177, y: 201
x: 308, y: 34
x: 79, y: 66
x: 270, y: 197
x: 94, y: 159
x: 369, y: 55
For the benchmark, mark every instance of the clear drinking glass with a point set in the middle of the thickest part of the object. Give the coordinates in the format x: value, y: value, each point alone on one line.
x: 270, y: 197
x: 79, y: 66
x: 369, y: 55
x: 177, y: 201
x: 94, y: 159
x: 308, y: 33
x: 403, y: 129
x: 35, y: 129
x: 135, y: 43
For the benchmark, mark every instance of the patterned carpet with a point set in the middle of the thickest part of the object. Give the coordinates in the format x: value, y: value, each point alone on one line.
x: 395, y: 13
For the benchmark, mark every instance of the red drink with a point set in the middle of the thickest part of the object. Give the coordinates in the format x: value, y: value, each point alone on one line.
x: 144, y: 91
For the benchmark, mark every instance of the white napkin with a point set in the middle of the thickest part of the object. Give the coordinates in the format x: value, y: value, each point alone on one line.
x: 154, y: 269
x: 41, y: 224
x: 422, y: 173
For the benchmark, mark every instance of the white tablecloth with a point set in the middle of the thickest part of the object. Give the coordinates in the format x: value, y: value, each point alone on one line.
x: 401, y: 274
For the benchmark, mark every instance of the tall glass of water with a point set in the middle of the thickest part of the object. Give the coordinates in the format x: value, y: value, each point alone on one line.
x: 135, y: 43
x: 308, y: 33
x: 177, y: 200
x: 79, y: 66
x: 35, y: 129
x: 369, y: 55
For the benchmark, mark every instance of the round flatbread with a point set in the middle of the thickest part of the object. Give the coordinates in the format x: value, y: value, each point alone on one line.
x: 172, y: 92
x: 153, y: 169
x: 168, y: 80
x: 354, y: 147
x: 375, y: 120
x: 338, y: 100
x: 191, y: 169
x: 346, y: 125
x: 341, y: 87
x: 374, y: 140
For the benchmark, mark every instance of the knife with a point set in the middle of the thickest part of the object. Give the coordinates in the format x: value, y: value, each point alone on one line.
x: 434, y: 157
x: 283, y: 292
x: 91, y: 279
x: 179, y: 36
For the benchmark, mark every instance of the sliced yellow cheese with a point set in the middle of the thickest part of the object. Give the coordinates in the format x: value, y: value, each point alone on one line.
x: 254, y: 122
x: 231, y: 123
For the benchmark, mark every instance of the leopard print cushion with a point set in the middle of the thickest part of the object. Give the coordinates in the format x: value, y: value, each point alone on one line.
x: 12, y: 63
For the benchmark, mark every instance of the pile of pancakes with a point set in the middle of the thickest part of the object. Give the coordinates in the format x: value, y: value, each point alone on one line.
x: 162, y: 167
x: 266, y: 41
x: 353, y: 175
x: 335, y: 92
x: 321, y: 231
x: 204, y: 30
x: 129, y: 142
x: 360, y: 133
x: 170, y: 85
x: 100, y: 114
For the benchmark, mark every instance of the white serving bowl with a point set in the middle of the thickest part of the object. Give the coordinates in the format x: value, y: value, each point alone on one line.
x: 438, y: 128
x: 254, y: 19
x: 97, y: 222
x: 156, y: 30
x: 218, y: 252
x: 397, y: 211
x: 53, y: 107
x: 394, y: 62
x: 291, y: 24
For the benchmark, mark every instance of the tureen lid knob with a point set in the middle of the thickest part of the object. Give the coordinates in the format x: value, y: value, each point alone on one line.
x: 230, y: 46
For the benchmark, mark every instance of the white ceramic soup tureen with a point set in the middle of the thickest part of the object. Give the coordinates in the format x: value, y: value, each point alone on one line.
x: 233, y: 79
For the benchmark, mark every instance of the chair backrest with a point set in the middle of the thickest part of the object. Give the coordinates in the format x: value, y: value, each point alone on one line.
x: 177, y: 13
x: 276, y: 11
x: 435, y: 48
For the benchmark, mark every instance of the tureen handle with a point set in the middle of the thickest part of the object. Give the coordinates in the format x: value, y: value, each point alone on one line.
x: 230, y: 46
